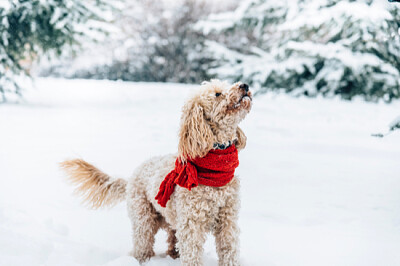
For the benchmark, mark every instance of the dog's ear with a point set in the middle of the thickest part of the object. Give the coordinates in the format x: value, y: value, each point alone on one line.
x: 195, y: 136
x: 241, y: 139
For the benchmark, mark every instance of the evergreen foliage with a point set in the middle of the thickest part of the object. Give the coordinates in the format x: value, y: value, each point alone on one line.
x: 32, y: 28
x: 309, y: 47
x: 160, y: 45
x: 303, y: 47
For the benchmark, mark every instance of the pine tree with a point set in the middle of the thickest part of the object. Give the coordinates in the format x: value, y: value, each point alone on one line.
x: 156, y: 42
x: 30, y: 29
x: 170, y: 50
x: 310, y: 47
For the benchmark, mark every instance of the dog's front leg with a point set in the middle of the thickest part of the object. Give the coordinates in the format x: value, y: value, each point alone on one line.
x: 227, y: 233
x: 191, y: 232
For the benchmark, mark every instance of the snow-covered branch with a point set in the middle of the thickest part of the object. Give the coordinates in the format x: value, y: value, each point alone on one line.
x: 394, y: 125
x: 31, y: 29
x: 312, y: 47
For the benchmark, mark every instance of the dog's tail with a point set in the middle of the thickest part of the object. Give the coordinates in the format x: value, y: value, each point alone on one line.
x: 97, y: 188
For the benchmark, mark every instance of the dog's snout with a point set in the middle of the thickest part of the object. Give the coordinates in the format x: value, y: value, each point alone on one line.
x: 244, y: 87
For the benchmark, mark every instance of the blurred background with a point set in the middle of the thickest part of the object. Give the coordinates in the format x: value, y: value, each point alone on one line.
x: 331, y: 47
x: 105, y: 80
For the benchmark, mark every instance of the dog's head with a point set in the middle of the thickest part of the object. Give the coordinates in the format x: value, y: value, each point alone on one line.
x: 212, y: 116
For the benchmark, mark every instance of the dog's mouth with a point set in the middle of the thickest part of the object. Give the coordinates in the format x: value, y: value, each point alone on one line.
x: 244, y: 101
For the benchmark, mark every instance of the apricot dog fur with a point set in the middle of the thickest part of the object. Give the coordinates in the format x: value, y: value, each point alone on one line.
x: 210, y: 116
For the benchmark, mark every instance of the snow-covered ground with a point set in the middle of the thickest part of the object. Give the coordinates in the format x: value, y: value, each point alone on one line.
x: 317, y: 189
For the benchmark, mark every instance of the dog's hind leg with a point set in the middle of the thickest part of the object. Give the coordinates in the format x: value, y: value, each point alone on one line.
x: 172, y: 249
x: 171, y: 241
x: 145, y: 224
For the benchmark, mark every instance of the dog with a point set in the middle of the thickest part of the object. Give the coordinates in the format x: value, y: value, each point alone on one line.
x: 209, y: 122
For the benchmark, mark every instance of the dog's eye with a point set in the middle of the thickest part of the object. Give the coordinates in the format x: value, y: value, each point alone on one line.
x: 217, y: 94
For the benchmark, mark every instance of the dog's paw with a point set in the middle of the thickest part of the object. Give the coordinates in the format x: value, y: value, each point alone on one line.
x: 142, y: 256
x: 173, y: 253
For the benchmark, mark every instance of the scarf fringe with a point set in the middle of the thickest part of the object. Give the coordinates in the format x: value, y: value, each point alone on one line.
x: 216, y: 169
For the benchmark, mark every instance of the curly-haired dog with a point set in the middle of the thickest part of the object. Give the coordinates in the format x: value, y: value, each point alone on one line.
x: 209, y: 122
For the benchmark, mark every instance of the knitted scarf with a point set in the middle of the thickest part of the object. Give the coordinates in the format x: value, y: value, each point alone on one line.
x: 216, y: 169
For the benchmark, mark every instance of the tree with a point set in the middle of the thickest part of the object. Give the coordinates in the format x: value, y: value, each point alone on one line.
x: 156, y: 42
x: 30, y: 29
x: 170, y: 49
x: 309, y: 47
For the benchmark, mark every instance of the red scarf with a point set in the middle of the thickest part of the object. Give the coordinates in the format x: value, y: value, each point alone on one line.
x: 216, y: 169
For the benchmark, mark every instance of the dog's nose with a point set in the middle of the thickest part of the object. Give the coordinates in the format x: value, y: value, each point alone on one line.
x: 244, y: 87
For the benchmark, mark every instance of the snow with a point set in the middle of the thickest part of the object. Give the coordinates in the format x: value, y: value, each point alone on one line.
x: 317, y: 189
x: 304, y: 40
x: 4, y: 4
x: 395, y: 123
x: 316, y: 14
